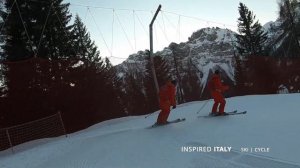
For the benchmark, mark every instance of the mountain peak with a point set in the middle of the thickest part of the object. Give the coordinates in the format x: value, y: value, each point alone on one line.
x: 210, y: 35
x: 206, y: 50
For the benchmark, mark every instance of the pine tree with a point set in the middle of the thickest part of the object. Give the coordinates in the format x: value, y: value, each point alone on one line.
x: 115, y: 84
x: 251, y: 37
x: 135, y: 99
x: 37, y: 28
x: 17, y: 44
x: 289, y: 15
x: 56, y: 41
x: 84, y: 46
x: 240, y: 76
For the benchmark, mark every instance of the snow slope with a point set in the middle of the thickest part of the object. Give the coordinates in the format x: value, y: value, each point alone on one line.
x: 271, y: 122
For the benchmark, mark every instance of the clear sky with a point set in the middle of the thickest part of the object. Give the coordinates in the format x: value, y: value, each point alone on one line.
x: 121, y: 27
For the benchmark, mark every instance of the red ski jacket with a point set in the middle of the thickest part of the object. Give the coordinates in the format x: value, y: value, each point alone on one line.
x: 167, y: 95
x: 215, y: 84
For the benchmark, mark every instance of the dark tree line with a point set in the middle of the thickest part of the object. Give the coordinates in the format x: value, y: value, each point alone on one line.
x: 49, y: 65
x: 257, y: 71
x: 39, y: 87
x: 264, y: 75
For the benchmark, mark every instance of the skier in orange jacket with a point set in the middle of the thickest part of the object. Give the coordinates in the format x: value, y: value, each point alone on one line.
x: 216, y: 89
x: 167, y: 98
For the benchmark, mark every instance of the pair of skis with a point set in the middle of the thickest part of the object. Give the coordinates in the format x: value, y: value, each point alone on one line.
x: 235, y: 112
x: 169, y: 122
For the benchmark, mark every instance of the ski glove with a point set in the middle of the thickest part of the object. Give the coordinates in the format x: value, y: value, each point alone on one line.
x: 174, y: 107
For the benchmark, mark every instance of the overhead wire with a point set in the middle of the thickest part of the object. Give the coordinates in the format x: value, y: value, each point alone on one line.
x: 143, y: 26
x: 161, y: 26
x: 164, y: 33
x: 142, y: 10
x: 108, y: 8
x: 200, y: 19
x: 162, y: 18
x: 86, y: 13
x: 168, y: 20
x: 26, y: 32
x: 61, y: 24
x: 41, y: 37
x: 99, y: 30
x: 177, y: 30
x: 124, y: 31
x: 112, y: 31
x: 135, y: 15
x: 134, y: 33
x: 179, y: 27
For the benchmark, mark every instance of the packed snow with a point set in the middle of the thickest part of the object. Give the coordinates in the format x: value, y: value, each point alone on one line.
x: 267, y: 136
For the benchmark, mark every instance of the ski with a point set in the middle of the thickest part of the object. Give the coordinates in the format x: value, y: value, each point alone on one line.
x: 211, y: 115
x: 169, y: 122
x: 231, y: 112
x: 242, y: 112
x: 235, y: 112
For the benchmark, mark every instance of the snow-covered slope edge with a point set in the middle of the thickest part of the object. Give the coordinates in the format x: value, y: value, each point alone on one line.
x: 271, y: 122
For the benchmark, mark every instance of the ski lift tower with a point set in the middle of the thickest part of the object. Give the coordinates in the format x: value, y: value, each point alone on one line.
x: 151, y: 49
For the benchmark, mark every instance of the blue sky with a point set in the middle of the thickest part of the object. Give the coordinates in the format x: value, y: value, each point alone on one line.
x: 121, y: 27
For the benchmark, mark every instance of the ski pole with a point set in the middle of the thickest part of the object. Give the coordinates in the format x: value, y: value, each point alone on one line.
x: 203, y: 106
x: 149, y: 115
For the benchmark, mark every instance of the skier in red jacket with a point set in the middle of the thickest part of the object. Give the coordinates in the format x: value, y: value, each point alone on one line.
x: 216, y: 89
x: 167, y: 98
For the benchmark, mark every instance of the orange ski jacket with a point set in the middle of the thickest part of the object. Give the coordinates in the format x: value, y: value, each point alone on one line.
x: 215, y: 84
x: 167, y: 95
